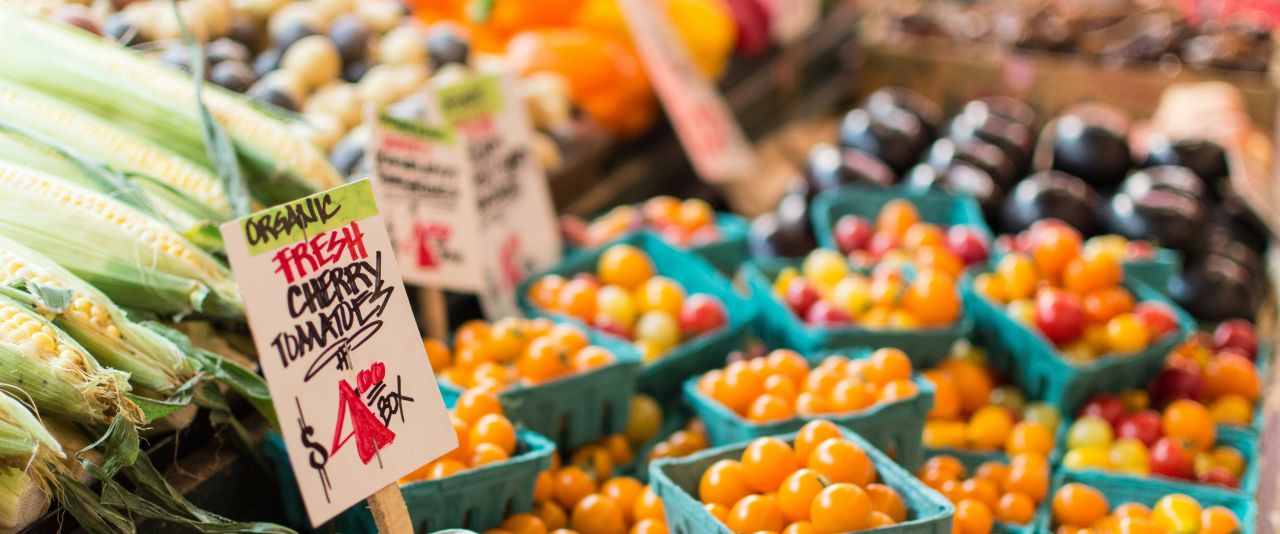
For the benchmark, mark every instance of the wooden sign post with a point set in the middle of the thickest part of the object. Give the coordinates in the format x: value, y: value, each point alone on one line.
x: 358, y: 404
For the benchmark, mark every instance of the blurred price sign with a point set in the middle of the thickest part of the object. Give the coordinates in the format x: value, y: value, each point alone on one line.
x: 358, y: 403
x: 516, y: 220
x: 702, y: 119
x: 422, y: 174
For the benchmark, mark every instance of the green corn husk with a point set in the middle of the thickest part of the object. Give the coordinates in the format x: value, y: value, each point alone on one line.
x: 155, y: 365
x: 58, y: 374
x: 136, y: 261
x: 157, y: 103
x: 23, y: 438
x: 194, y: 220
x: 85, y: 134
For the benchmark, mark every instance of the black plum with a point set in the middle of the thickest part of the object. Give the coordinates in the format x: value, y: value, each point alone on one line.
x: 1090, y: 144
x: 1051, y: 195
x: 830, y: 167
x: 895, y: 137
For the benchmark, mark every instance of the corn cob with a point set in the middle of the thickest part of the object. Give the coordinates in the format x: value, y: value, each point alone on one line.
x: 22, y: 436
x: 136, y: 261
x: 61, y: 378
x: 88, y: 135
x: 154, y: 364
x: 23, y: 499
x: 158, y: 103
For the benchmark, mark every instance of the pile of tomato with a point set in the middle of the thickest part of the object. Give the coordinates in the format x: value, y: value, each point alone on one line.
x: 970, y: 412
x: 683, y: 223
x: 1217, y: 370
x: 1072, y: 295
x: 996, y: 491
x: 826, y: 291
x: 1078, y: 508
x: 781, y: 385
x: 627, y: 298
x: 1180, y: 441
x: 899, y: 233
x: 820, y: 483
x: 512, y: 351
x: 485, y: 436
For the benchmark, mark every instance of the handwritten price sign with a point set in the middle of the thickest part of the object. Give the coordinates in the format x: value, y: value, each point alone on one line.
x: 427, y: 191
x: 357, y: 400
x: 706, y: 127
x: 517, y: 222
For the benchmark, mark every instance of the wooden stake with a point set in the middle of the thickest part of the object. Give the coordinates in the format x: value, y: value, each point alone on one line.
x: 435, y: 315
x: 390, y: 513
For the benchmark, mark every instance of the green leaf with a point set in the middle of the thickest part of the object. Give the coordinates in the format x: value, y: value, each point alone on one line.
x: 54, y: 299
x: 120, y: 449
x: 216, y: 143
x: 89, y: 511
x: 244, y: 382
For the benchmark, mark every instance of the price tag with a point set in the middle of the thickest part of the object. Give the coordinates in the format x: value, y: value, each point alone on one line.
x: 423, y: 178
x: 706, y: 127
x: 358, y: 404
x: 516, y: 219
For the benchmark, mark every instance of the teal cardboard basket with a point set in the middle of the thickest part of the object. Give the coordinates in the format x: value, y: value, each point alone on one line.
x: 477, y: 499
x: 676, y: 483
x: 1147, y: 491
x: 662, y: 378
x: 780, y: 327
x: 1035, y: 365
x: 601, y: 398
x: 935, y: 207
x: 1241, y: 439
x: 726, y: 254
x: 1157, y: 271
x: 971, y: 460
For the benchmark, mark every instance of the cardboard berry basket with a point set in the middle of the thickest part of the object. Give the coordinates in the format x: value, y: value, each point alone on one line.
x: 935, y: 207
x: 726, y: 254
x: 676, y: 482
x: 780, y: 327
x: 1147, y: 491
x: 476, y: 499
x: 661, y: 379
x: 1241, y: 439
x: 1034, y: 364
x: 894, y: 427
x: 1157, y: 271
x: 575, y: 409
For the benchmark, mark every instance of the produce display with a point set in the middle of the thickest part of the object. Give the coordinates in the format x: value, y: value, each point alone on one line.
x: 971, y: 412
x: 1077, y: 507
x: 1180, y: 441
x: 1008, y: 492
x: 1219, y: 372
x: 493, y: 357
x: 781, y: 385
x: 899, y: 228
x: 1100, y: 178
x: 120, y: 317
x: 826, y: 291
x: 819, y: 483
x: 1073, y: 296
x: 485, y: 436
x: 1127, y: 32
x: 683, y: 223
x: 626, y: 297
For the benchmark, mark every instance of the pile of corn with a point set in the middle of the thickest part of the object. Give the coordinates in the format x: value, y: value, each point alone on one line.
x: 109, y: 207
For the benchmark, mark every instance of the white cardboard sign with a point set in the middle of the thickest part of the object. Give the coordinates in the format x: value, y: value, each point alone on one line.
x: 702, y: 120
x: 357, y: 401
x: 516, y: 220
x: 423, y: 178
